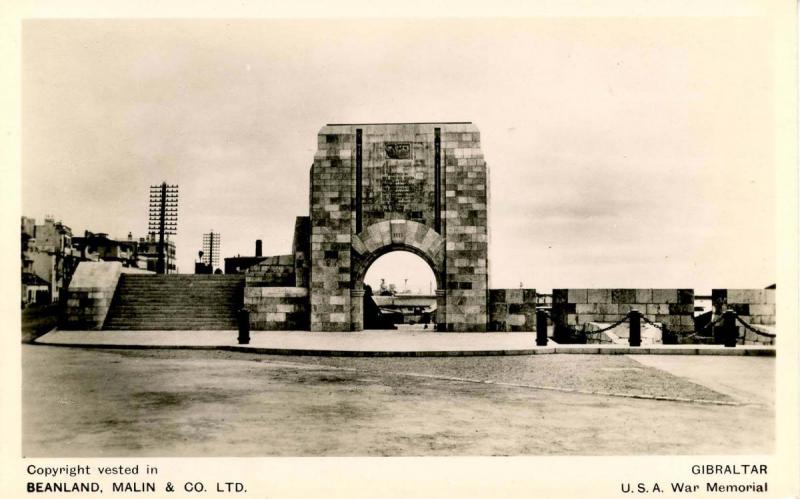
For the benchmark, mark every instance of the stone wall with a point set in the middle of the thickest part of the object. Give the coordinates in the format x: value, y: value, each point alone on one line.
x: 649, y: 335
x: 747, y: 337
x: 601, y: 338
x: 512, y: 309
x: 755, y: 306
x: 90, y: 293
x: 465, y: 228
x: 332, y: 224
x: 272, y: 271
x: 277, y: 308
x: 276, y: 289
x: 672, y: 307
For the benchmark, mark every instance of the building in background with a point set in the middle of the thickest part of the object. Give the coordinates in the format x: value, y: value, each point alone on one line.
x: 50, y: 254
x: 148, y: 254
x: 238, y: 264
x: 131, y: 253
x: 99, y: 247
x: 200, y: 267
x: 27, y: 230
x: 34, y: 289
x: 47, y: 259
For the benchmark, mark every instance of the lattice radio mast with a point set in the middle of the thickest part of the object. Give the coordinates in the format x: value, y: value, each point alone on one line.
x: 211, y: 249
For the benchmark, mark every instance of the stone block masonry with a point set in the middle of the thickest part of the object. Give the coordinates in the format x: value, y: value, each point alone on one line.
x: 464, y: 221
x: 332, y: 225
x: 90, y: 293
x: 272, y: 271
x: 277, y: 308
x: 276, y: 291
x: 756, y: 306
x: 377, y: 188
x: 576, y: 307
x: 512, y: 310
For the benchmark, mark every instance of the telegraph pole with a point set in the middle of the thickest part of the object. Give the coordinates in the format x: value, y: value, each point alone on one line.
x: 163, y: 218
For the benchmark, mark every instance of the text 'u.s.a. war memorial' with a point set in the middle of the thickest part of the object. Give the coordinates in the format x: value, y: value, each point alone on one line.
x: 374, y: 189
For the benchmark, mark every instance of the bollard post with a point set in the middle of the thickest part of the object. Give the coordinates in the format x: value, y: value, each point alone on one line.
x: 666, y: 338
x: 541, y: 328
x: 730, y: 331
x: 635, y: 333
x: 243, y: 320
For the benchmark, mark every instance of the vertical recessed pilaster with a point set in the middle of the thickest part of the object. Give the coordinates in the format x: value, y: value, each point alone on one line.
x: 437, y: 179
x: 358, y: 179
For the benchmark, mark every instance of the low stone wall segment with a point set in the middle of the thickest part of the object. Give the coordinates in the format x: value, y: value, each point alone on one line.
x: 90, y: 293
x: 512, y: 309
x: 576, y: 307
x: 272, y: 271
x: 283, y: 308
x: 756, y: 306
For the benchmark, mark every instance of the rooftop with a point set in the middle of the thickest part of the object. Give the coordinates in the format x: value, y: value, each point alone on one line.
x: 406, y: 123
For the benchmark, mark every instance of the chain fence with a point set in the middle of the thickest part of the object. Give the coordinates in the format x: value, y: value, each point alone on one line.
x: 752, y: 329
x: 576, y: 335
x: 685, y: 334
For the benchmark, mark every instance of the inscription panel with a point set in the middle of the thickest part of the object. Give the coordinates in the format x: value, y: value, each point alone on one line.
x: 398, y: 182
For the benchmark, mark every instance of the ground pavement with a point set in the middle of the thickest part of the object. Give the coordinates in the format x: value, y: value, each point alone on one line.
x: 211, y: 402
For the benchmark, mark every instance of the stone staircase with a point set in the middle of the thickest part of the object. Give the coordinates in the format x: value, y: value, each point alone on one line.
x: 176, y: 302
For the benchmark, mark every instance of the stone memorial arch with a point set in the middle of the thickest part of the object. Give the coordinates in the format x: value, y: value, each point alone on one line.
x: 417, y: 187
x: 376, y: 188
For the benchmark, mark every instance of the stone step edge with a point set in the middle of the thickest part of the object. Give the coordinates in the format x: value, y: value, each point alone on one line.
x: 172, y: 317
x: 137, y: 322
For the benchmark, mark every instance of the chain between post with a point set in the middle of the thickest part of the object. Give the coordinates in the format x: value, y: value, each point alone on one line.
x: 686, y: 334
x: 751, y: 328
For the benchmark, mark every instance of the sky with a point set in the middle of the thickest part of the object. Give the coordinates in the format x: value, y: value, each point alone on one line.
x: 623, y: 152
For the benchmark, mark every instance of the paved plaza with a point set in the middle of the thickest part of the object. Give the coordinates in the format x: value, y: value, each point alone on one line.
x: 170, y: 402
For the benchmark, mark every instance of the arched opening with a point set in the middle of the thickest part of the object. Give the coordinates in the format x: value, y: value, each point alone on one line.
x: 400, y: 292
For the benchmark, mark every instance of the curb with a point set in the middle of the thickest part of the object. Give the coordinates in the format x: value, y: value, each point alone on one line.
x: 431, y: 353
